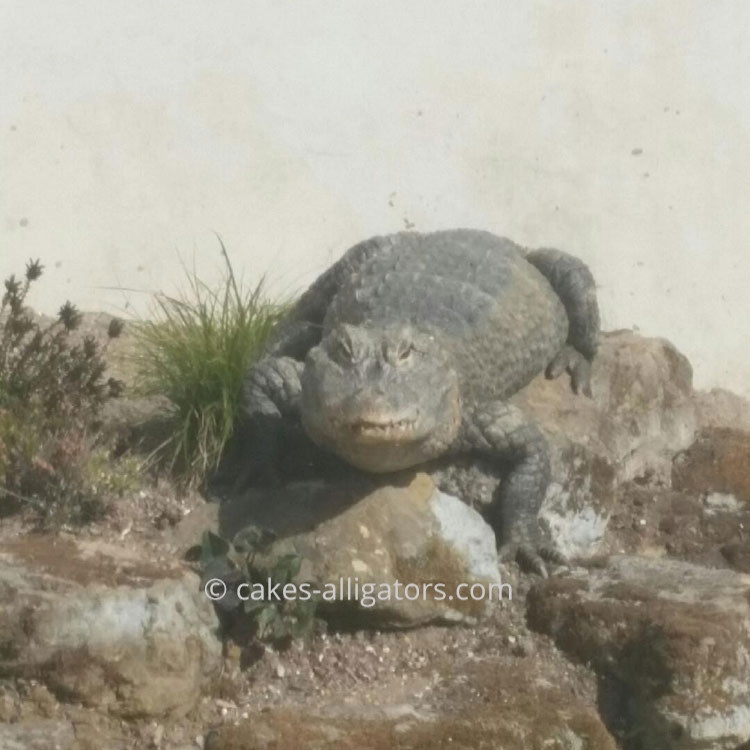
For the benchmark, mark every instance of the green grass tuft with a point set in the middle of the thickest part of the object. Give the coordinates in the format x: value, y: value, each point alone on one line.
x: 196, y: 351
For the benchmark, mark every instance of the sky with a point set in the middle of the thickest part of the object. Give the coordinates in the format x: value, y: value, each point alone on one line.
x: 134, y: 133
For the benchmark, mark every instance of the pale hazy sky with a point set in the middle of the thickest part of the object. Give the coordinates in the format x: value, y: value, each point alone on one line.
x: 618, y: 131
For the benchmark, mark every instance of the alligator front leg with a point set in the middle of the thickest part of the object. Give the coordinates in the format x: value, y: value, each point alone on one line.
x: 270, y: 403
x: 272, y: 387
x: 505, y: 434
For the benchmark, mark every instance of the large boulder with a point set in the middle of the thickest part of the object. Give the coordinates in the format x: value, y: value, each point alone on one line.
x: 670, y: 641
x: 396, y: 538
x: 101, y: 627
x: 642, y: 413
x: 513, y: 709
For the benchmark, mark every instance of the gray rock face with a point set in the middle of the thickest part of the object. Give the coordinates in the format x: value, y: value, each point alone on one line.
x: 672, y: 639
x: 642, y: 413
x: 41, y: 735
x: 410, y: 534
x: 106, y: 631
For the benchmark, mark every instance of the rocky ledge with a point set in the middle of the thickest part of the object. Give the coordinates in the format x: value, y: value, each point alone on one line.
x: 642, y: 643
x: 103, y: 628
x: 670, y: 641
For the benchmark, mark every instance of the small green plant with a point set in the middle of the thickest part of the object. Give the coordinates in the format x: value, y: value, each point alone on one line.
x: 52, y: 387
x: 196, y: 351
x: 273, y: 616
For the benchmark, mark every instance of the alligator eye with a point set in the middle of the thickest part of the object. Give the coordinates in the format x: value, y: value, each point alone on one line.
x: 399, y: 354
x: 404, y: 351
x: 341, y: 351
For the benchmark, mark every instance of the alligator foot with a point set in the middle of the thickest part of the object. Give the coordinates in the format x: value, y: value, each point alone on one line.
x: 579, y: 368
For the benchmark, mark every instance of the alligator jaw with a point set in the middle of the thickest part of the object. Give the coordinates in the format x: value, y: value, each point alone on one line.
x: 369, y: 431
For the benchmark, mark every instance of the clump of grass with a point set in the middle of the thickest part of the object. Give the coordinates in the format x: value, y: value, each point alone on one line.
x: 196, y: 351
x: 52, y: 388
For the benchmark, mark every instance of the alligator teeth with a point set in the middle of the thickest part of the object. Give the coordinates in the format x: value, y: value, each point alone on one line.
x: 382, y: 427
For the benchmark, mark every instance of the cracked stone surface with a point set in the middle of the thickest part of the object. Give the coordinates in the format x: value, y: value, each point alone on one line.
x: 106, y: 630
x: 671, y: 638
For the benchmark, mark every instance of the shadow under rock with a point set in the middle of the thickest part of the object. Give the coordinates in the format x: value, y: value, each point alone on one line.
x: 301, y: 485
x: 291, y: 509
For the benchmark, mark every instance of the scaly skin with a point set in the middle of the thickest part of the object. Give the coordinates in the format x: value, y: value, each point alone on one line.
x: 407, y: 349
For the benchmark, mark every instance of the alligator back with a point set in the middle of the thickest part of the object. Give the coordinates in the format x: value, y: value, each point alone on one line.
x: 491, y: 310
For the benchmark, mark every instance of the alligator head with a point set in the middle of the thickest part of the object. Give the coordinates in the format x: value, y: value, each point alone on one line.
x: 382, y: 399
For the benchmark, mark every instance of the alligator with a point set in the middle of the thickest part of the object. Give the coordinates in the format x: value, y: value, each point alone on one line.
x: 407, y: 349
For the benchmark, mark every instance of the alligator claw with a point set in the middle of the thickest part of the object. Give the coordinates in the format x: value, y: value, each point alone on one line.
x: 552, y: 555
x: 571, y: 360
x: 531, y: 559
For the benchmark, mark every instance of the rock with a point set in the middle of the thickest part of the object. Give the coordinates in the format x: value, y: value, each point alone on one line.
x: 8, y: 709
x: 716, y: 465
x: 655, y: 521
x: 579, y: 500
x: 105, y: 629
x: 186, y: 533
x: 642, y: 412
x: 670, y: 641
x: 737, y: 555
x: 519, y: 713
x: 481, y: 730
x: 41, y: 735
x: 408, y: 534
x: 721, y: 408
